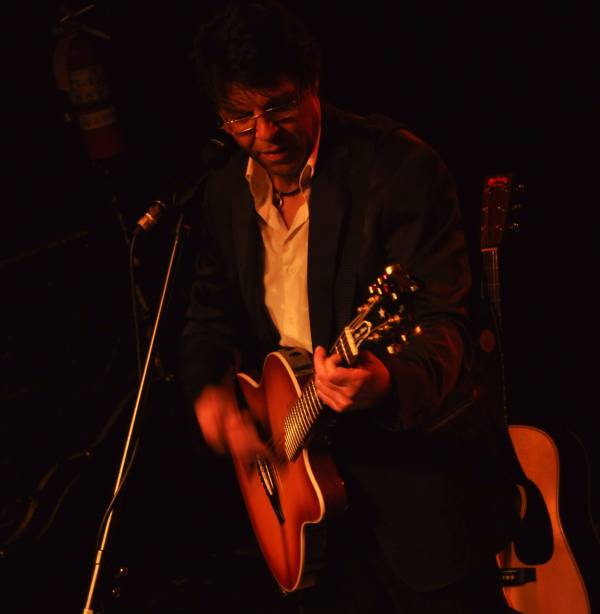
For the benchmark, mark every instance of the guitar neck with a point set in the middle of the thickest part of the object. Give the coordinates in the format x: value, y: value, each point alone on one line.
x: 300, y: 420
x: 495, y: 208
x: 387, y: 310
x: 491, y: 270
x: 305, y: 412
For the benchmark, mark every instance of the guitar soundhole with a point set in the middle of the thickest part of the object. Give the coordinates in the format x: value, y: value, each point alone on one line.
x: 270, y: 480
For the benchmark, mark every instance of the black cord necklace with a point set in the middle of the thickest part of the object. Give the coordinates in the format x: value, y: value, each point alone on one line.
x: 279, y: 196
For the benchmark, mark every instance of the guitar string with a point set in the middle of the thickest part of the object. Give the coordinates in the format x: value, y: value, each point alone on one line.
x: 298, y: 423
x: 306, y: 409
x: 304, y: 413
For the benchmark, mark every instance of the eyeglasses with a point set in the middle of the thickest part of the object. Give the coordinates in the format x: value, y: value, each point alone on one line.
x: 277, y: 114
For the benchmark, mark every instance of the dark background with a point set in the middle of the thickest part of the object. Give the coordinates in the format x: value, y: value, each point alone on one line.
x: 494, y: 87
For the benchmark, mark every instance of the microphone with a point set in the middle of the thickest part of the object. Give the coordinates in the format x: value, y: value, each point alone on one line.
x: 215, y: 154
x: 151, y: 217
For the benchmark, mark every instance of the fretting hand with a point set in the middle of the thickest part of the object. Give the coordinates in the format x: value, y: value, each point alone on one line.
x: 344, y: 389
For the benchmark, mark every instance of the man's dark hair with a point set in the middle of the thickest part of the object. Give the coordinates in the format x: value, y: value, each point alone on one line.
x: 254, y: 43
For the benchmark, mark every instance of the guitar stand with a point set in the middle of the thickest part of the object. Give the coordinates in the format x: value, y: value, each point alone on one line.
x: 143, y: 384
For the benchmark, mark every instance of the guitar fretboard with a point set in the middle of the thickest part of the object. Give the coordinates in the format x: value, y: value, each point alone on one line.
x: 305, y: 412
x: 492, y: 275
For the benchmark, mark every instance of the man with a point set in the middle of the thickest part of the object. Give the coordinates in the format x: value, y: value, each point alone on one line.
x: 307, y: 212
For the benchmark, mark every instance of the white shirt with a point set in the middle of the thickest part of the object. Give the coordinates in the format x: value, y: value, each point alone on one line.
x: 285, y: 255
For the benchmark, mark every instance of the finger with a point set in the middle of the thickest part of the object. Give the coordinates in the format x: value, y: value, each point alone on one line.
x: 319, y: 356
x: 243, y: 439
x: 343, y: 379
x: 334, y: 360
x: 211, y: 430
x: 340, y: 402
x: 367, y: 359
x: 213, y: 404
x: 332, y: 399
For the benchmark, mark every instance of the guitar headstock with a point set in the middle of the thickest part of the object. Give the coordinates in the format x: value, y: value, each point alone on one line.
x: 386, y: 317
x: 498, y: 207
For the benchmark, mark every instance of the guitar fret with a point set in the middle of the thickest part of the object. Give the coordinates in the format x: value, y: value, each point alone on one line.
x: 290, y: 437
x: 350, y: 350
x: 295, y: 443
x: 310, y: 402
x: 315, y: 399
x: 312, y: 414
x: 298, y: 416
x: 293, y: 427
x: 346, y: 350
x: 492, y: 274
x: 309, y: 413
x: 304, y: 418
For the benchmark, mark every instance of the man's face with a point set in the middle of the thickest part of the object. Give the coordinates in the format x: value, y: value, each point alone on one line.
x: 280, y: 142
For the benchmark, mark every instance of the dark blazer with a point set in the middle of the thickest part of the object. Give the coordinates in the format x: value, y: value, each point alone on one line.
x: 423, y: 469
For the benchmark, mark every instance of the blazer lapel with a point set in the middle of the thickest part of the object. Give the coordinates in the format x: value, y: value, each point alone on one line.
x: 247, y: 245
x: 329, y: 209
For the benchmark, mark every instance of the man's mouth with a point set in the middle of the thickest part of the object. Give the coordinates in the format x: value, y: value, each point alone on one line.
x: 275, y: 154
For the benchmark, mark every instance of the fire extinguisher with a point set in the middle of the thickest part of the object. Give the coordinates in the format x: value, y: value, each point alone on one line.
x: 79, y: 71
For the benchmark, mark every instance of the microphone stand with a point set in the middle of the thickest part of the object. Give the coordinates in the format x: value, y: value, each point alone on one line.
x: 175, y: 250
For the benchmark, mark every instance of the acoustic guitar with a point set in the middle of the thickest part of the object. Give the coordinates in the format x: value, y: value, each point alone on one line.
x: 290, y: 495
x: 539, y: 572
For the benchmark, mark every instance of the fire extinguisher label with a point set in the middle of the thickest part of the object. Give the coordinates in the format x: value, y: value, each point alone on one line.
x: 88, y: 85
x: 98, y: 119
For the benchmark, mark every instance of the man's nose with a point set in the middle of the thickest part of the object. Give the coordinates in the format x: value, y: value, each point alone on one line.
x: 265, y: 128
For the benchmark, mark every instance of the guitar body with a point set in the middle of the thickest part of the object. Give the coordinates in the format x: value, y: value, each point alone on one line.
x: 558, y: 586
x: 292, y: 490
x: 287, y: 501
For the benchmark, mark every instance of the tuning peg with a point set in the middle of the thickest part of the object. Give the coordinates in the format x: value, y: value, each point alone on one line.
x: 396, y: 348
